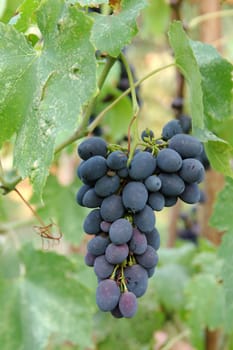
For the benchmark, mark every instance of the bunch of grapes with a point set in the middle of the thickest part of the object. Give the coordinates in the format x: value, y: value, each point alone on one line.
x: 123, y: 191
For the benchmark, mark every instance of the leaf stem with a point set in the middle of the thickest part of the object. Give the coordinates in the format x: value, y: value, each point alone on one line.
x: 98, y: 119
x: 197, y: 20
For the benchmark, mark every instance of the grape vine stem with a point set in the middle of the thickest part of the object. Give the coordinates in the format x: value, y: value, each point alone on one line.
x: 197, y: 20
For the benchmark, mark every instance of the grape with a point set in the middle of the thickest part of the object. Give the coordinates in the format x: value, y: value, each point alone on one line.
x: 105, y: 226
x: 177, y: 103
x: 92, y: 222
x: 187, y: 146
x: 153, y: 239
x: 123, y: 173
x: 134, y: 196
x: 186, y: 123
x: 128, y: 304
x: 172, y: 184
x: 142, y: 165
x: 116, y: 254
x: 204, y: 159
x: 191, y: 194
x: 91, y: 147
x: 89, y: 259
x: 169, y: 160
x: 136, y: 279
x: 102, y: 267
x: 80, y: 194
x: 107, y: 185
x: 156, y: 201
x: 116, y: 312
x: 148, y: 259
x: 97, y: 163
x: 138, y: 242
x: 120, y: 231
x: 97, y: 245
x: 172, y: 128
x: 147, y: 133
x: 91, y: 199
x: 153, y: 183
x: 145, y: 219
x: 112, y: 208
x: 117, y: 160
x: 170, y: 201
x: 188, y: 234
x: 107, y: 295
x: 192, y: 170
x: 150, y: 271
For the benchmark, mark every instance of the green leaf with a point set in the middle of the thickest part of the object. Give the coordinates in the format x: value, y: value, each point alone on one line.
x: 193, y: 59
x: 26, y: 14
x: 216, y: 82
x: 158, y: 26
x: 61, y: 207
x: 89, y: 2
x: 222, y: 220
x: 111, y: 33
x: 47, y: 303
x: 174, y: 276
x: 63, y: 71
x: 205, y: 302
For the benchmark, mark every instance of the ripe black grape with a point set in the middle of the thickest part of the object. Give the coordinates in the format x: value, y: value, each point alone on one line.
x: 128, y: 304
x: 138, y: 242
x: 143, y: 165
x: 120, y: 231
x: 91, y: 147
x: 117, y: 160
x: 149, y: 258
x: 145, y: 219
x: 136, y: 279
x: 107, y: 185
x: 116, y: 254
x: 92, y: 222
x: 91, y: 199
x: 97, y: 245
x: 98, y: 163
x: 156, y: 201
x: 134, y: 196
x: 172, y: 128
x: 103, y: 269
x: 187, y: 146
x: 172, y: 184
x: 169, y: 160
x: 153, y: 183
x: 112, y: 208
x: 107, y: 295
x: 192, y: 170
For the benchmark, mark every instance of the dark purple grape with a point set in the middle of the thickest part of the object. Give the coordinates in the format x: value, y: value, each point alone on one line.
x: 116, y: 312
x: 142, y: 165
x: 147, y: 133
x: 170, y: 129
x: 169, y: 160
x: 105, y: 226
x: 97, y: 245
x: 191, y: 194
x: 156, y: 201
x: 172, y: 184
x: 80, y: 194
x: 107, y: 185
x: 153, y: 239
x: 91, y: 199
x: 116, y: 254
x: 192, y: 171
x: 117, y: 160
x: 150, y: 271
x: 120, y: 231
x: 103, y: 269
x: 170, y: 201
x: 128, y: 304
x: 107, y: 295
x: 134, y: 196
x: 186, y: 145
x: 112, y: 208
x: 186, y: 123
x: 138, y: 242
x: 123, y: 173
x: 92, y: 222
x: 136, y: 279
x: 91, y: 147
x: 153, y: 183
x: 89, y: 259
x: 145, y: 219
x: 93, y: 168
x: 148, y: 259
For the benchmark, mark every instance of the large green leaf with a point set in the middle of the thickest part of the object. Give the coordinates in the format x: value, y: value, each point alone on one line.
x: 26, y: 14
x: 56, y: 82
x: 60, y: 205
x: 203, y: 68
x: 111, y: 33
x: 46, y: 304
x: 217, y: 82
x: 222, y: 220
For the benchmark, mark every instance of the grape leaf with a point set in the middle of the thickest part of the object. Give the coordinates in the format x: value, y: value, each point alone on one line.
x: 222, y: 220
x: 89, y: 2
x: 202, y: 81
x: 111, y: 33
x: 25, y: 14
x: 217, y: 83
x: 57, y: 81
x: 46, y: 303
x: 68, y: 217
